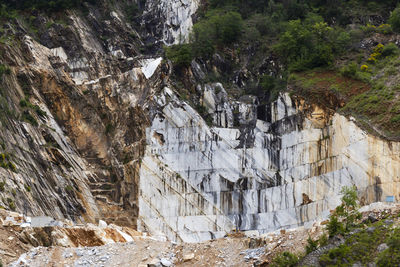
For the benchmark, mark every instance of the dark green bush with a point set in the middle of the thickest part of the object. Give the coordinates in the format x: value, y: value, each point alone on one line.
x: 311, y: 245
x: 394, y: 19
x: 390, y: 50
x: 350, y: 70
x: 180, y: 55
x: 285, y: 259
x: 26, y: 116
x: 218, y: 28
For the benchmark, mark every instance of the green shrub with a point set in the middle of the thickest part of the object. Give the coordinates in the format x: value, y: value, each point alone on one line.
x: 349, y: 70
x: 11, y: 204
x: 23, y: 103
x: 218, y: 28
x: 334, y: 227
x: 390, y: 50
x: 335, y: 256
x: 12, y: 166
x: 180, y: 55
x: 391, y: 256
x: 311, y: 245
x: 2, y: 186
x: 385, y: 29
x: 394, y: 19
x: 27, y: 188
x: 26, y: 116
x: 346, y: 214
x: 323, y: 240
x: 4, y: 70
x: 285, y: 259
x: 395, y: 119
x: 69, y: 188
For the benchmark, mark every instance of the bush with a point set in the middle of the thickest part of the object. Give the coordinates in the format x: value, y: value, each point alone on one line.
x: 311, y: 245
x: 180, y: 55
x: 345, y: 215
x: 334, y: 227
x: 390, y: 50
x: 394, y: 19
x: 391, y: 256
x: 350, y: 70
x: 217, y: 29
x: 285, y: 259
x: 385, y: 29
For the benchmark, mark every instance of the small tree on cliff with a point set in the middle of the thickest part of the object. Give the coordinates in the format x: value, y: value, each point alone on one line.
x: 345, y: 215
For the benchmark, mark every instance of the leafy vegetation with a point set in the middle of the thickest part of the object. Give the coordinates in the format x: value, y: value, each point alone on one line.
x: 345, y: 215
x: 361, y: 247
x: 285, y: 259
x: 6, y: 163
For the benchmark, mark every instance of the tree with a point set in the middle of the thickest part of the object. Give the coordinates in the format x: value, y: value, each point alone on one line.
x: 346, y: 214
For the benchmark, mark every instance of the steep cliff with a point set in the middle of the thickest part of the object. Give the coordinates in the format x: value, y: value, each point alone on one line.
x: 95, y: 124
x: 284, y: 167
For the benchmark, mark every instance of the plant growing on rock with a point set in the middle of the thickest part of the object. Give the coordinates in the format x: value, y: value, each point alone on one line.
x: 285, y: 259
x: 345, y: 215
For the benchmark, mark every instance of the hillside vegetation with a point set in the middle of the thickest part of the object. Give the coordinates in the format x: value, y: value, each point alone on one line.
x: 344, y: 49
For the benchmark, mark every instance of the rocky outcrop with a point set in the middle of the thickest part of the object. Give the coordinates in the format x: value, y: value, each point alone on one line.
x: 283, y: 167
x: 169, y: 21
x: 74, y: 131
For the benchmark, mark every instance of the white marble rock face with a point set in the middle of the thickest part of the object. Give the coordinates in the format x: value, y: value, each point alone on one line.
x: 177, y: 18
x: 198, y: 183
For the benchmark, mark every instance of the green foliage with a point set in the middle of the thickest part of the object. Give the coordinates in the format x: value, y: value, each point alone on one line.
x: 285, y: 259
x: 4, y: 70
x: 27, y: 188
x: 218, y: 28
x: 180, y: 55
x: 26, y: 116
x: 311, y: 245
x: 346, y: 214
x: 5, y: 162
x: 390, y: 50
x: 394, y: 19
x: 69, y: 188
x: 2, y: 185
x: 311, y: 43
x: 334, y: 227
x: 361, y: 247
x: 391, y: 256
x: 323, y: 240
x: 11, y: 204
x: 350, y: 70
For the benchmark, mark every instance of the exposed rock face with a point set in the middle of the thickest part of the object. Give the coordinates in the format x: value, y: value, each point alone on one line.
x: 79, y: 157
x: 283, y: 170
x: 170, y: 21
